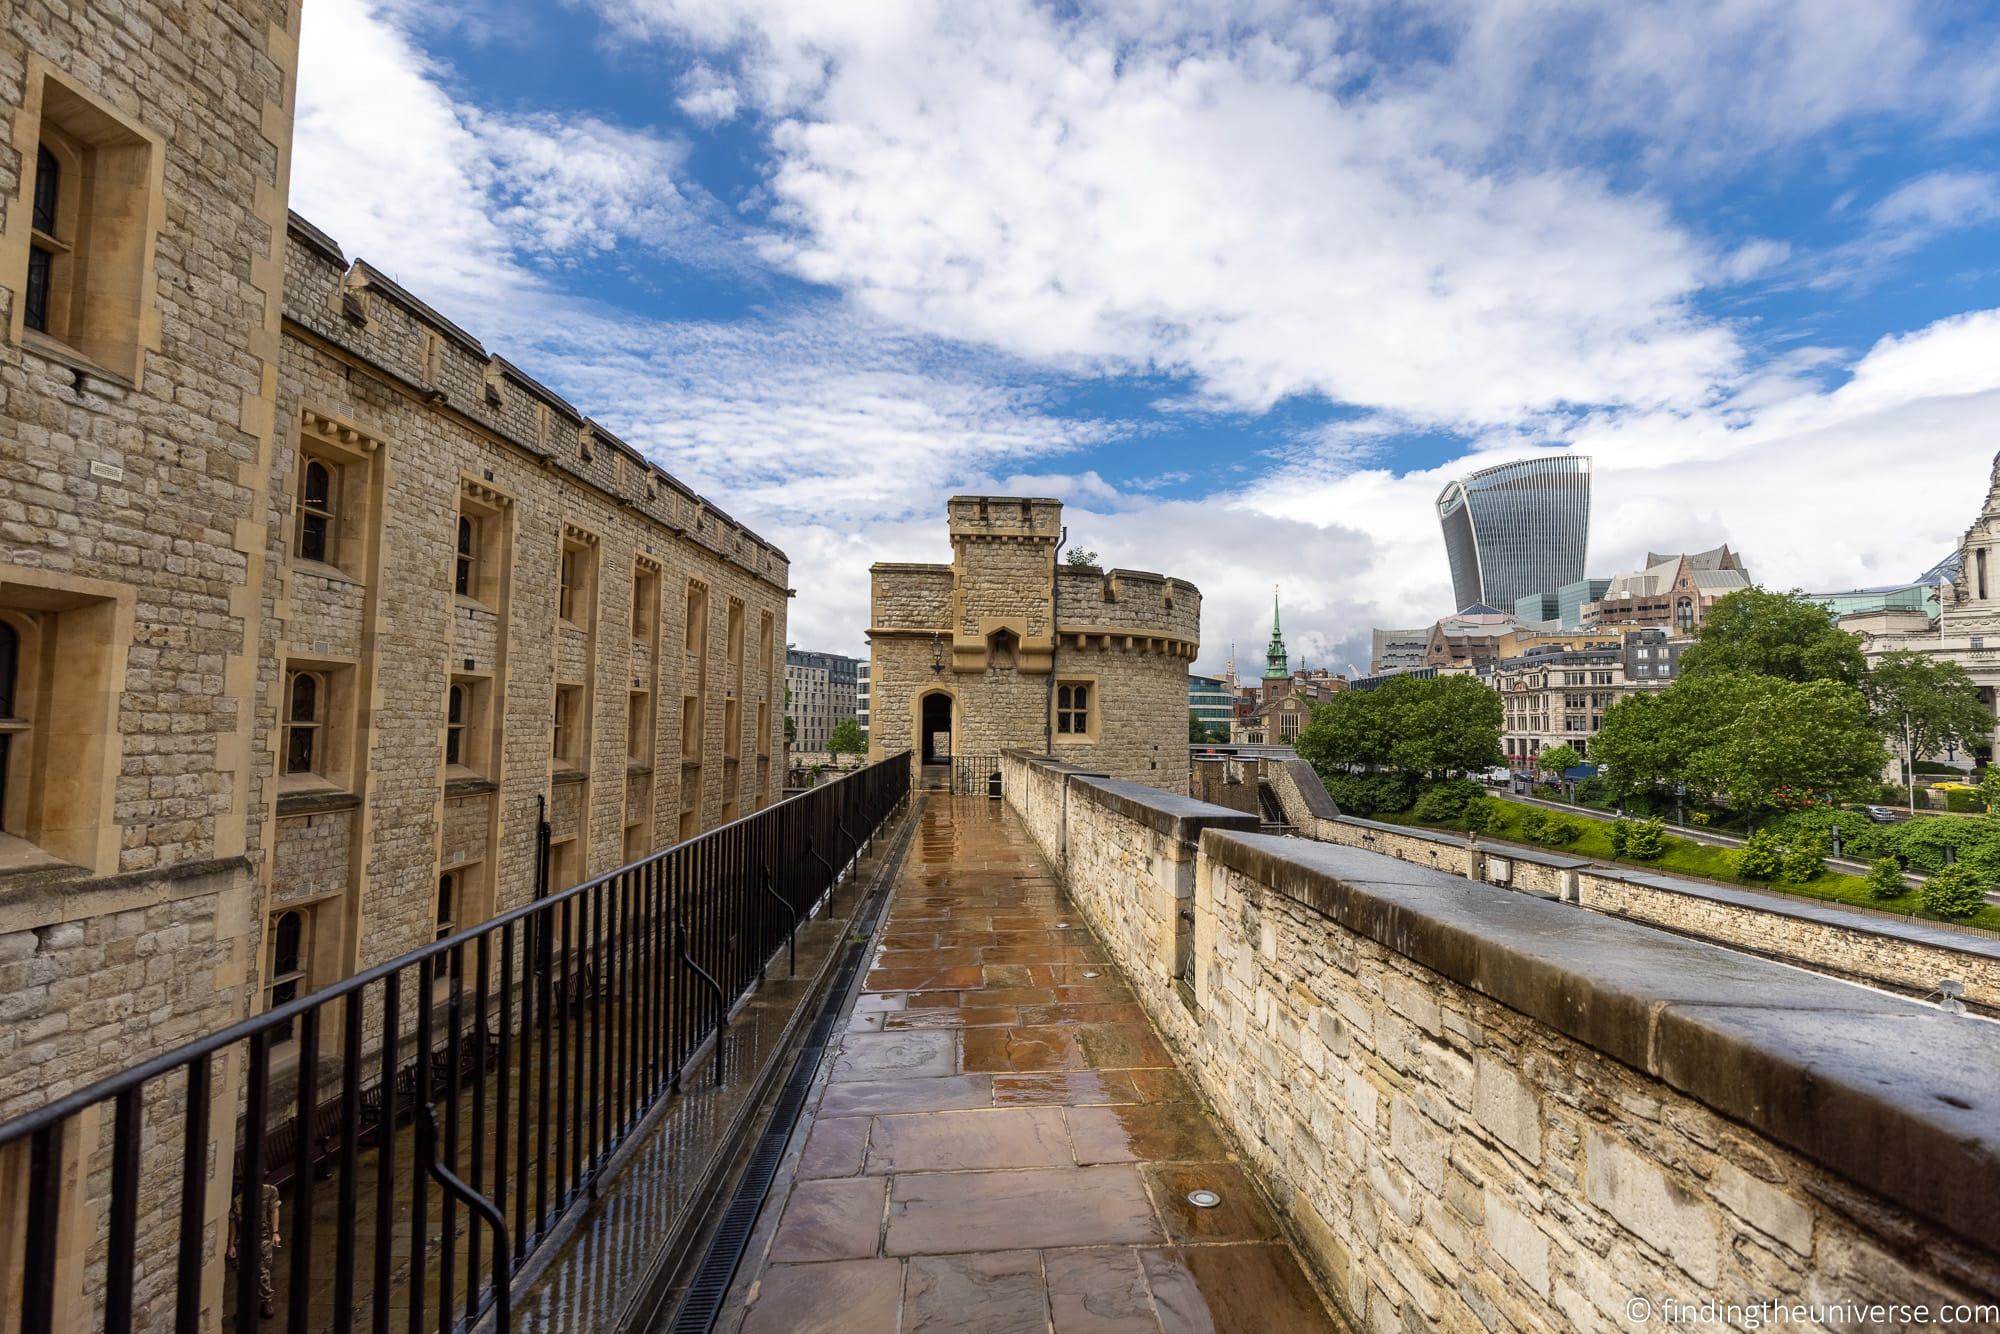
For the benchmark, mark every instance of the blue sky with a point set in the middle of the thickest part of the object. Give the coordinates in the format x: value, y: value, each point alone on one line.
x: 1244, y: 284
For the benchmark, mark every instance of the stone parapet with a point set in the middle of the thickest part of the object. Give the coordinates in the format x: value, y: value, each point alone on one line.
x: 1481, y: 1109
x: 1903, y: 954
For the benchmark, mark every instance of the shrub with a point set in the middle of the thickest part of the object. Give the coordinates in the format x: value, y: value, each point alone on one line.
x: 1444, y: 803
x: 1923, y: 841
x: 1964, y: 803
x: 1481, y: 813
x: 1885, y: 880
x: 1646, y: 840
x: 1621, y: 836
x: 1893, y: 794
x: 1369, y: 794
x: 1956, y: 891
x: 1560, y: 830
x: 1762, y: 857
x: 1805, y: 855
x: 1534, y: 824
x: 1593, y: 791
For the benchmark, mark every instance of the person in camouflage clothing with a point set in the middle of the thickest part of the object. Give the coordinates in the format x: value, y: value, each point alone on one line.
x: 268, y: 1241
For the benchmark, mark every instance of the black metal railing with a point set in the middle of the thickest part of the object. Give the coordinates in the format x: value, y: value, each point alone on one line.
x: 505, y: 1065
x: 975, y: 775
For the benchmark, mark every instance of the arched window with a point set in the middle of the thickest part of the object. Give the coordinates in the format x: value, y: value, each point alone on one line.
x: 1073, y: 709
x: 42, y: 247
x: 288, y: 964
x: 305, y: 701
x: 316, y: 495
x: 468, y: 556
x: 1684, y: 614
x: 1001, y: 649
x: 454, y: 725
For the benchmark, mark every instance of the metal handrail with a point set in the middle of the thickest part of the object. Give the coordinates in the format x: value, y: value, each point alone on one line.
x: 595, y: 1022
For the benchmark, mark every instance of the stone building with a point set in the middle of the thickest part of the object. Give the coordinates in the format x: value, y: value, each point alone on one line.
x: 306, y: 600
x: 143, y: 177
x: 1672, y: 591
x: 824, y: 691
x: 1005, y: 647
x: 1965, y: 628
x: 482, y: 599
x: 1555, y: 693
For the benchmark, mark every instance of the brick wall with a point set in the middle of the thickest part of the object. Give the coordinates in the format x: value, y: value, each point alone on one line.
x: 1466, y: 1128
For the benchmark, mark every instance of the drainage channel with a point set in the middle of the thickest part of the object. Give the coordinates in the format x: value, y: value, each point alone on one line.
x: 701, y: 1303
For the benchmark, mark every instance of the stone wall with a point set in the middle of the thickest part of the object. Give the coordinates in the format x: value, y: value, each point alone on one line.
x: 1901, y: 954
x: 987, y: 632
x: 1479, y: 1109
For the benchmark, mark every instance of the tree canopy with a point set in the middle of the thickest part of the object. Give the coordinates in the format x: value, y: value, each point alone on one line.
x: 1786, y: 635
x: 1427, y: 727
x: 1762, y: 742
x: 847, y: 738
x: 1556, y: 759
x: 1926, y: 703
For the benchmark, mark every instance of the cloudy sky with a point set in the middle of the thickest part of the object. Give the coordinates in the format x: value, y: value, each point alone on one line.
x: 1243, y: 283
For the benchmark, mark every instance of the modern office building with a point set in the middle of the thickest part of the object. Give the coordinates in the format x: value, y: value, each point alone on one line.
x: 1538, y: 609
x: 823, y: 689
x: 1868, y: 601
x: 861, y: 695
x: 1395, y: 651
x: 1211, y: 700
x: 1571, y: 597
x: 1516, y: 528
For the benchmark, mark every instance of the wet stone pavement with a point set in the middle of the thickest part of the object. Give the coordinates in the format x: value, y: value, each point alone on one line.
x: 1001, y: 1142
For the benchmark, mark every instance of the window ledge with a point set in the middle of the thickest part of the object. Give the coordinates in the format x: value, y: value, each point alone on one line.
x: 56, y: 350
x: 568, y: 776
x: 315, y: 800
x: 637, y: 769
x: 566, y: 623
x: 319, y: 569
x: 690, y: 761
x: 471, y: 604
x: 19, y: 857
x: 460, y: 781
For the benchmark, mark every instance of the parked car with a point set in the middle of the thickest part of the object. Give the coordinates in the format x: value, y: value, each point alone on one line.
x: 1882, y: 814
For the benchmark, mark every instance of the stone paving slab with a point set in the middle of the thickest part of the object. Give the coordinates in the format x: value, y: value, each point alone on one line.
x: 1001, y: 1142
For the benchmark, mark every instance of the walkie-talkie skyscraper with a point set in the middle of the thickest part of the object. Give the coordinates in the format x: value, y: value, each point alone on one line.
x: 1516, y: 528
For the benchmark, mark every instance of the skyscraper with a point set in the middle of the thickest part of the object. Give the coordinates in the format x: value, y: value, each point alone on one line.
x: 1516, y: 528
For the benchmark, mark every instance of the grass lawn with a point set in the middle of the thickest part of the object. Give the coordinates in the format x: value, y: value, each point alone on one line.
x: 1702, y: 860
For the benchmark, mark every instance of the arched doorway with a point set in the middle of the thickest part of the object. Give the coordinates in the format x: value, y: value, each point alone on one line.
x: 935, y: 727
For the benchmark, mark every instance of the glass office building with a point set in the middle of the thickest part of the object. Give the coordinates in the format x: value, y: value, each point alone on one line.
x: 1516, y: 529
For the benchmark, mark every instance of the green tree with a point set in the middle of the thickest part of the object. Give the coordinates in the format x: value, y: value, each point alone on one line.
x: 1558, y: 760
x: 1786, y: 744
x: 1427, y: 728
x: 1786, y: 635
x: 847, y: 738
x: 1954, y: 892
x: 1078, y: 556
x: 1647, y: 840
x: 1925, y: 705
x: 1201, y: 733
x: 1762, y: 857
x: 1885, y: 880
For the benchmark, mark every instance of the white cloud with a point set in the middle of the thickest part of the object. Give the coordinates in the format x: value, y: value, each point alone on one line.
x: 707, y: 97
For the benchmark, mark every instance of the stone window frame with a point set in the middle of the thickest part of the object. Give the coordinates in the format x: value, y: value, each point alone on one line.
x: 691, y: 728
x: 567, y: 727
x: 642, y: 829
x: 641, y: 727
x: 645, y: 599
x: 348, y: 453
x: 102, y: 309
x: 333, y: 764
x: 763, y: 729
x: 1092, y: 710
x: 486, y: 509
x: 473, y: 727
x: 72, y: 638
x: 696, y: 627
x: 566, y: 862
x: 576, y: 578
x: 735, y: 632
x: 732, y: 729
x: 318, y: 511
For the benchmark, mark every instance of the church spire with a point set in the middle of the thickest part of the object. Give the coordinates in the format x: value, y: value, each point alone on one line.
x: 1277, y: 665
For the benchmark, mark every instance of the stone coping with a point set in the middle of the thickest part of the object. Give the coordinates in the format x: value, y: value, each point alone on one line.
x: 1890, y: 1094
x: 1319, y: 802
x: 1169, y: 813
x: 1840, y: 915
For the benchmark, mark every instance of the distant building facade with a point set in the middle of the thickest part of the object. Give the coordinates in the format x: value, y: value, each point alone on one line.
x: 1468, y: 641
x: 825, y: 691
x: 1395, y: 651
x: 1555, y: 695
x: 1673, y: 592
x: 861, y: 692
x: 1516, y: 529
x: 1285, y: 707
x: 1966, y: 627
x: 1212, y: 702
x: 1538, y: 609
x: 1005, y: 647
